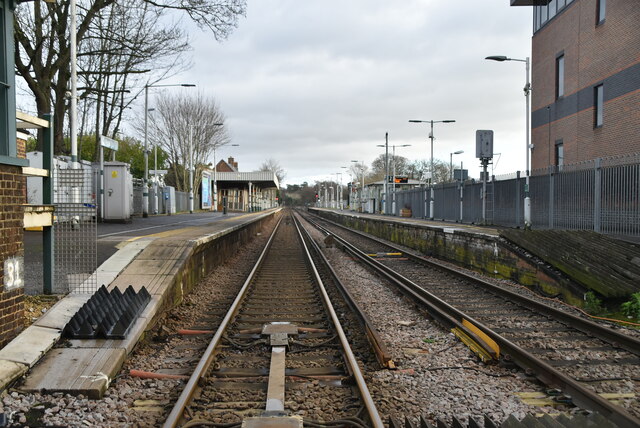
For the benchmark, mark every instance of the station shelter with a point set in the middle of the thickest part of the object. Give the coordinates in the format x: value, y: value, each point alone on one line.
x: 243, y: 191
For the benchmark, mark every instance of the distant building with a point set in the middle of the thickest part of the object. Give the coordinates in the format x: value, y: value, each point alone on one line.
x: 243, y: 191
x: 585, y: 80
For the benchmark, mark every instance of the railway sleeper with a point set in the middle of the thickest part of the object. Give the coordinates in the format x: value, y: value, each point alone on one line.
x: 529, y: 421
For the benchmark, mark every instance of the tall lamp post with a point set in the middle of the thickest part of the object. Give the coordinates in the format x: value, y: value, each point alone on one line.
x: 393, y: 181
x: 431, y: 201
x: 361, y: 184
x: 145, y: 181
x: 527, y: 91
x: 457, y: 152
x: 215, y: 174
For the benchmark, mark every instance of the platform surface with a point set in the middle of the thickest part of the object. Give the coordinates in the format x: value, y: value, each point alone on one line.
x: 87, y: 366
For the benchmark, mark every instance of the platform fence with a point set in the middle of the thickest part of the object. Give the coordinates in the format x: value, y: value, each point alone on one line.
x: 75, y: 231
x: 602, y: 195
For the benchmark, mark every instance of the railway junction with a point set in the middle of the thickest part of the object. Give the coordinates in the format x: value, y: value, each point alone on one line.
x: 287, y: 318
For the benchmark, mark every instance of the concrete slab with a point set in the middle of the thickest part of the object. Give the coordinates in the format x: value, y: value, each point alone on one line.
x: 155, y: 284
x: 162, y: 251
x: 158, y: 267
x: 30, y: 345
x: 75, y: 371
x: 60, y: 313
x: 10, y: 371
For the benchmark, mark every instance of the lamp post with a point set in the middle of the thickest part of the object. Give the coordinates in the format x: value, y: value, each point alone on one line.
x: 527, y: 91
x: 457, y: 152
x: 145, y: 181
x: 361, y: 184
x: 348, y: 192
x: 215, y: 174
x: 431, y: 200
x: 393, y: 181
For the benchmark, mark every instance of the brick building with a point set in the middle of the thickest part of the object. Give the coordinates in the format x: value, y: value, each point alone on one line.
x: 585, y: 80
x: 12, y: 198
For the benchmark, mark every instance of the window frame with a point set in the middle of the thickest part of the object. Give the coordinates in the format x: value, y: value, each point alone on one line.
x: 601, y: 12
x: 559, y: 154
x: 598, y: 105
x: 560, y: 75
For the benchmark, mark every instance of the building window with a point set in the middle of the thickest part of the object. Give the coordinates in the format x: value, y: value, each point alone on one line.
x: 598, y: 102
x: 560, y: 76
x: 602, y: 11
x: 552, y: 8
x: 559, y: 153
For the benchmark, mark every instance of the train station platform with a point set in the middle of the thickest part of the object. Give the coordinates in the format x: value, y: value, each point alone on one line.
x: 568, y: 263
x: 168, y: 264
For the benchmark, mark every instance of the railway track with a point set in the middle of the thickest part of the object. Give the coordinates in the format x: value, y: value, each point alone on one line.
x: 585, y: 360
x: 279, y: 348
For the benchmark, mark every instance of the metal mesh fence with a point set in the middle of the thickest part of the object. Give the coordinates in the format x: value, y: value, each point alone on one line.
x: 601, y: 195
x: 75, y: 231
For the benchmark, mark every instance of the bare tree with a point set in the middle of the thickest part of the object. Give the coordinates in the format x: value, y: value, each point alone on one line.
x: 419, y: 169
x: 274, y: 166
x: 42, y: 51
x: 186, y: 125
x: 378, y: 169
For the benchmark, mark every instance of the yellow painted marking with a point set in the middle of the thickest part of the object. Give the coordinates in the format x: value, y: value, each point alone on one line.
x: 472, y: 344
x: 542, y: 402
x: 615, y: 395
x: 482, y: 335
x: 531, y: 394
x: 384, y: 254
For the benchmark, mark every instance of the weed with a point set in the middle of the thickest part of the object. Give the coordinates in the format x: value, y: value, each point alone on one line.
x: 592, y: 304
x: 632, y: 307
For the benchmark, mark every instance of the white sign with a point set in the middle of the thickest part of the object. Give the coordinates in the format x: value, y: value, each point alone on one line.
x: 158, y: 171
x: 13, y: 273
x: 108, y: 143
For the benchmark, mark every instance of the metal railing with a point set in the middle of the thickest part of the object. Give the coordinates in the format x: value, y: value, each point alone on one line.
x: 602, y: 195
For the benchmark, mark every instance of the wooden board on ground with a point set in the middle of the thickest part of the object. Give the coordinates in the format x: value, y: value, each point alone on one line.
x: 75, y: 371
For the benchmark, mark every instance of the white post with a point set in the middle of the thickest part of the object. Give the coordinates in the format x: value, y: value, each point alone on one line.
x: 527, y: 200
x: 215, y: 181
x: 101, y: 183
x: 155, y: 181
x: 73, y: 118
x: 190, y: 169
x: 145, y: 181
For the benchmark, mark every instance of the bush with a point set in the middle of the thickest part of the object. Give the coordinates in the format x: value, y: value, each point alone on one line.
x: 592, y: 304
x: 632, y: 307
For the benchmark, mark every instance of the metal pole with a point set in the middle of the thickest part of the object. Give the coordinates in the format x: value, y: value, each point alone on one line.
x: 450, y: 166
x: 215, y: 181
x: 393, y: 185
x: 527, y: 200
x: 431, y: 201
x: 190, y: 169
x: 386, y: 172
x: 155, y: 176
x: 145, y: 180
x: 73, y: 118
x: 48, y: 236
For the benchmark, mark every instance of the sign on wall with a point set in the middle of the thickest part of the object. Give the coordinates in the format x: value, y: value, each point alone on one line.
x: 13, y: 273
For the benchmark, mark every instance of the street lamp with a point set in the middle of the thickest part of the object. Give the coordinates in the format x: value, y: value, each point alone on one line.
x: 451, y: 162
x: 145, y: 181
x: 361, y: 184
x: 431, y: 201
x: 215, y: 173
x: 393, y: 181
x: 527, y: 91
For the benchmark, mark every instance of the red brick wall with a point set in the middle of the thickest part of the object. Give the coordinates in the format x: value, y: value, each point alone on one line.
x: 592, y: 53
x: 12, y: 184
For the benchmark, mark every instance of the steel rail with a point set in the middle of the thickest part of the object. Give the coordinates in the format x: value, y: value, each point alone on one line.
x: 380, y: 349
x: 205, y: 362
x: 372, y: 411
x: 444, y: 312
x: 588, y: 327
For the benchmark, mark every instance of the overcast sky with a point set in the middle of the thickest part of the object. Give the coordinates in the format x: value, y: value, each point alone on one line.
x: 315, y: 84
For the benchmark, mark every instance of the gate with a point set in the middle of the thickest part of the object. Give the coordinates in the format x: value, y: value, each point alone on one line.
x: 75, y: 231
